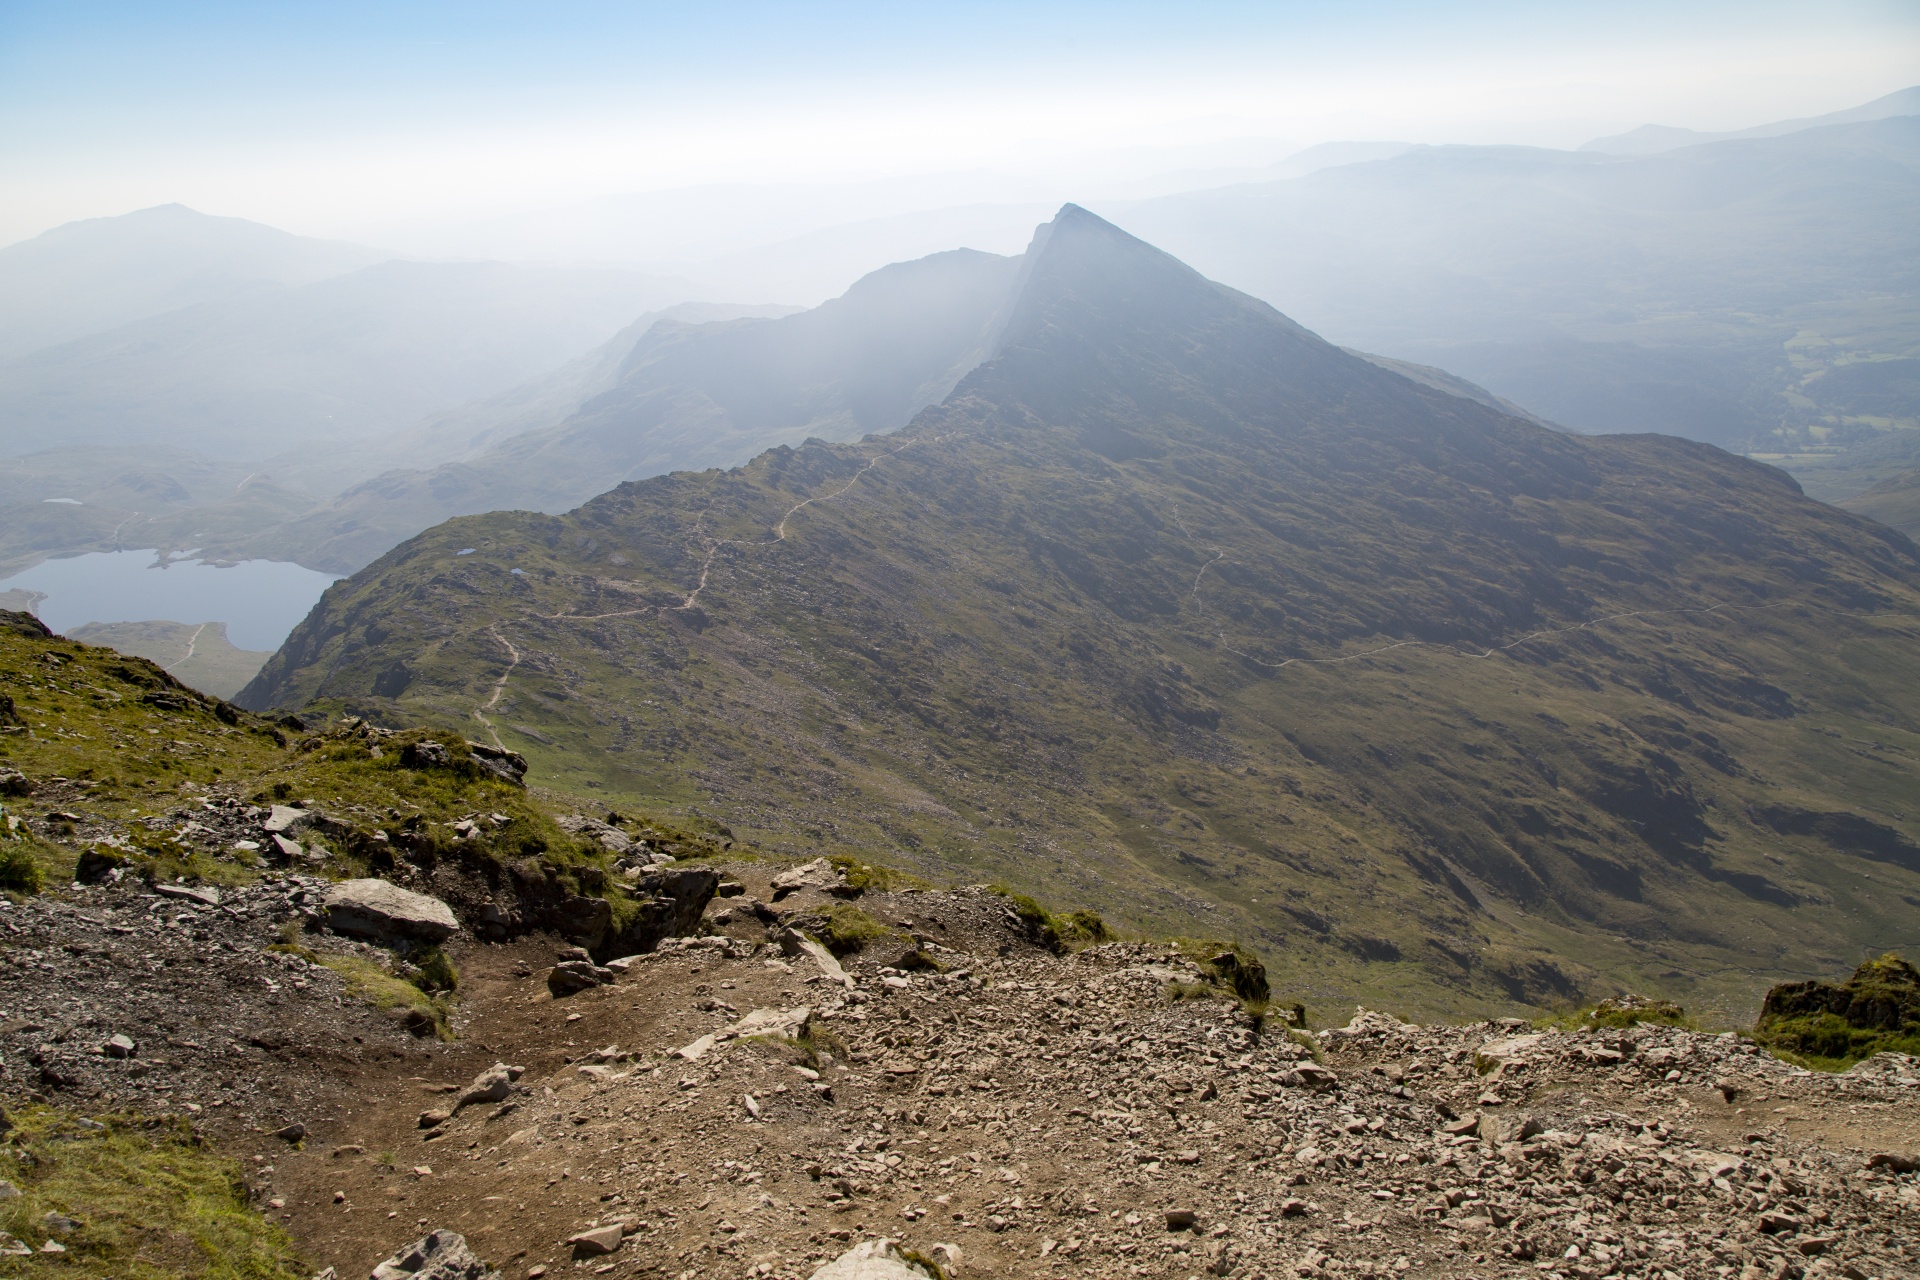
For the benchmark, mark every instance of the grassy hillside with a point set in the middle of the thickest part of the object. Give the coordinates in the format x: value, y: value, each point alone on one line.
x: 1175, y: 610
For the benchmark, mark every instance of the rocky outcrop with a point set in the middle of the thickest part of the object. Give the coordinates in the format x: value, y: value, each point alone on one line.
x: 671, y: 902
x: 1878, y: 1007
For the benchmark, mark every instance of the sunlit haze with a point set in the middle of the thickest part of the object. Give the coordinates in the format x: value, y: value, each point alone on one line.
x: 403, y: 125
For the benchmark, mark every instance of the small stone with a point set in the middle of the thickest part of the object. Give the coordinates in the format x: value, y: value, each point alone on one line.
x: 291, y: 1133
x: 595, y: 1242
x: 1182, y: 1219
x: 120, y: 1047
x: 204, y: 895
x: 433, y: 1119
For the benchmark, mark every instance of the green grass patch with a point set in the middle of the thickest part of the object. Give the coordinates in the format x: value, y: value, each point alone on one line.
x: 152, y: 1203
x: 847, y: 930
x: 1619, y: 1013
x: 862, y: 876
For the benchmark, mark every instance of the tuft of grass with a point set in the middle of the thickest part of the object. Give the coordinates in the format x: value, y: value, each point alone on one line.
x: 20, y: 871
x: 421, y: 1004
x: 153, y: 1203
x: 434, y: 973
x: 1034, y: 918
x: 1235, y: 968
x: 1082, y: 928
x: 1619, y: 1013
x: 369, y: 982
x: 809, y: 1047
x: 848, y: 929
x: 862, y: 876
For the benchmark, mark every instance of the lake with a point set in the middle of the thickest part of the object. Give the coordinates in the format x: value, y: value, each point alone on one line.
x: 259, y: 600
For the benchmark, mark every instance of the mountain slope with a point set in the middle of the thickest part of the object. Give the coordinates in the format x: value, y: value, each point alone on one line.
x: 91, y: 276
x: 1175, y: 608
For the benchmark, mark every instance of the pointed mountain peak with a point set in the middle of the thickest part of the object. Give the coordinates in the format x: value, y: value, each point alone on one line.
x: 1082, y: 270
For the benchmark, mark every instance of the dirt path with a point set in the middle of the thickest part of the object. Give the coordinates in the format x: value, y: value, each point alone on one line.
x: 192, y: 640
x: 499, y: 687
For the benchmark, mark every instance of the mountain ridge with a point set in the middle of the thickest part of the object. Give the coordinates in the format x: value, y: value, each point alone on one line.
x: 1053, y: 632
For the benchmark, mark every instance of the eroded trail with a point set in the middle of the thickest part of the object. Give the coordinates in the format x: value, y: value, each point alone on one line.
x: 186, y: 657
x: 499, y: 687
x: 1038, y: 1115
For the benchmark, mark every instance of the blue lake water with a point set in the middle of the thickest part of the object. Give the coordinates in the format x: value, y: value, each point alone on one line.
x: 259, y: 600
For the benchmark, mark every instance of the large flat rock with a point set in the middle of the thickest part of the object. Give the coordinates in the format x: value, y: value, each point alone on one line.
x: 376, y: 909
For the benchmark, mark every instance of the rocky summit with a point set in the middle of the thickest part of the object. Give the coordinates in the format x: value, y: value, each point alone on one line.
x: 1176, y: 611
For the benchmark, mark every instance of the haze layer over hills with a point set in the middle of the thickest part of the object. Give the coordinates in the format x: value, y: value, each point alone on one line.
x: 1174, y: 608
x: 667, y: 395
x: 1758, y: 294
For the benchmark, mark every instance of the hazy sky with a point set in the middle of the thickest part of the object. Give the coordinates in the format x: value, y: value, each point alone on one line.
x: 332, y: 118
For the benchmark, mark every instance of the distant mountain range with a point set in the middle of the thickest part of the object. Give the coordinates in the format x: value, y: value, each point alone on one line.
x: 1172, y: 607
x: 1651, y: 139
x: 1756, y: 292
x: 332, y: 362
x: 1750, y: 293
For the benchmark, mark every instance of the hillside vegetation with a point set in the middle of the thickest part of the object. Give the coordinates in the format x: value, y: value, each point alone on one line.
x: 1178, y: 611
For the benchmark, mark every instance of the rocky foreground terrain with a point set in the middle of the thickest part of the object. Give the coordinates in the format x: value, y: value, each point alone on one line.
x: 743, y: 1104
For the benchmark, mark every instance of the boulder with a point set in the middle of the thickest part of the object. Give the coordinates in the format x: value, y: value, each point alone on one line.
x: 671, y: 901
x: 881, y: 1259
x: 14, y: 783
x: 425, y: 755
x: 1512, y: 1127
x: 795, y: 943
x: 438, y: 1255
x: 98, y: 864
x: 203, y: 894
x: 595, y: 1243
x: 583, y: 919
x: 818, y: 874
x: 287, y: 820
x: 377, y: 909
x: 1507, y: 1051
x: 1311, y: 1075
x: 570, y: 976
x: 495, y: 1084
x: 508, y: 766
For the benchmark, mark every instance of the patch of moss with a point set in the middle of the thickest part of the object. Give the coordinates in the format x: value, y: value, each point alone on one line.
x: 152, y: 1200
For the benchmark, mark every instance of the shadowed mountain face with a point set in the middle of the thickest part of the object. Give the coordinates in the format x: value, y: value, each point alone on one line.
x: 1175, y: 609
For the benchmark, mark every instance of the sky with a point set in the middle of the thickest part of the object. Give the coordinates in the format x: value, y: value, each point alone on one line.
x: 361, y: 120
